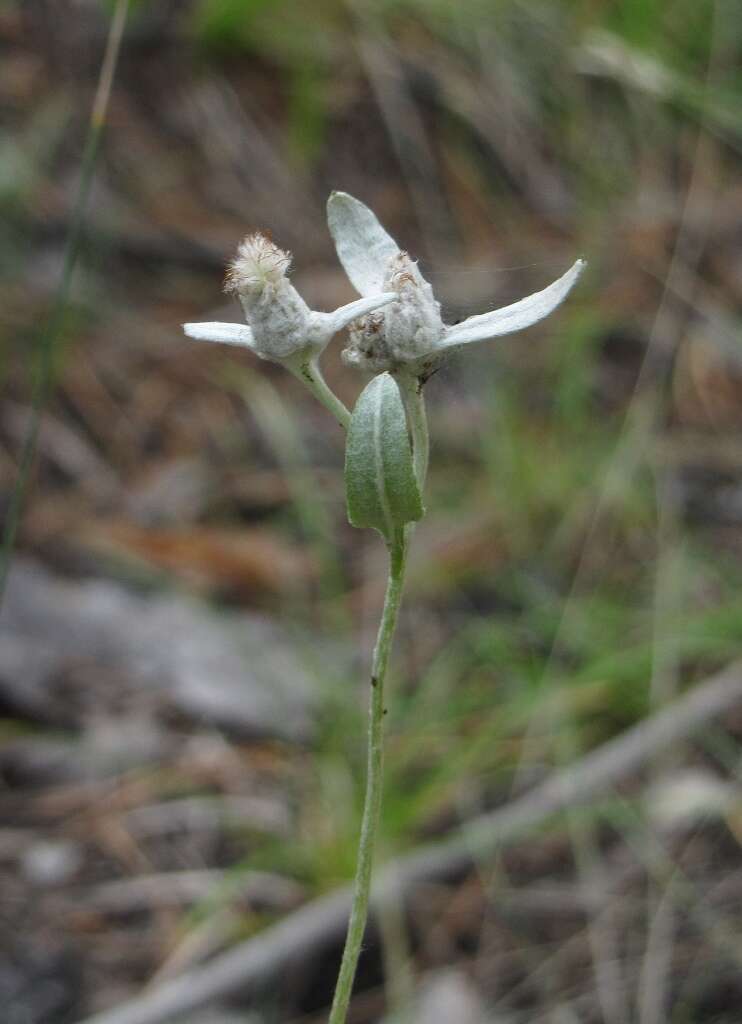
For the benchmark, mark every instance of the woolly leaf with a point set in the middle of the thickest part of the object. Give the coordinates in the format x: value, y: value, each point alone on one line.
x: 380, y: 484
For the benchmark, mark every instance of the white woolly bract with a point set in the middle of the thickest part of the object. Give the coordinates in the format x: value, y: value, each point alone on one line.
x: 363, y: 246
x: 227, y: 334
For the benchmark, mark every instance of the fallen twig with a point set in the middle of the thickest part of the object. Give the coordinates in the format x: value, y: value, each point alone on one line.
x: 258, y: 889
x: 253, y: 962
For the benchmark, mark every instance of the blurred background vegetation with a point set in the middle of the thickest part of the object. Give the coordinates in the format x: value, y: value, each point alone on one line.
x: 580, y: 563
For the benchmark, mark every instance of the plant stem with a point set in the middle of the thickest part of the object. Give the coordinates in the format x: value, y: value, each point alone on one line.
x: 45, y: 369
x: 411, y: 390
x: 308, y: 372
x: 374, y: 777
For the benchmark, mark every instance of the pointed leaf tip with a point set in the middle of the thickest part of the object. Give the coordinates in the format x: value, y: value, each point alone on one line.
x: 363, y: 246
x: 517, y: 316
x: 227, y: 334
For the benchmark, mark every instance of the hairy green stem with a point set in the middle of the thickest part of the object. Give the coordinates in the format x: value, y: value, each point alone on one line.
x: 411, y: 390
x: 374, y: 778
x: 308, y: 372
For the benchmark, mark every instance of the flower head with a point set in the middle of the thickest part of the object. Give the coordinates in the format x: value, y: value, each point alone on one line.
x: 409, y: 332
x: 281, y: 326
x: 259, y: 264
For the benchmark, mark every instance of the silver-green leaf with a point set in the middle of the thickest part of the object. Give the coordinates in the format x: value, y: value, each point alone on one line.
x: 380, y: 484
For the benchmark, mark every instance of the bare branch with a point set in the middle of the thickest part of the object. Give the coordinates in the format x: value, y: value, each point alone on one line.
x: 255, y: 961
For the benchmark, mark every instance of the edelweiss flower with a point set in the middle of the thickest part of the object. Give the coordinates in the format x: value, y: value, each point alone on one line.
x: 409, y: 331
x: 281, y: 325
